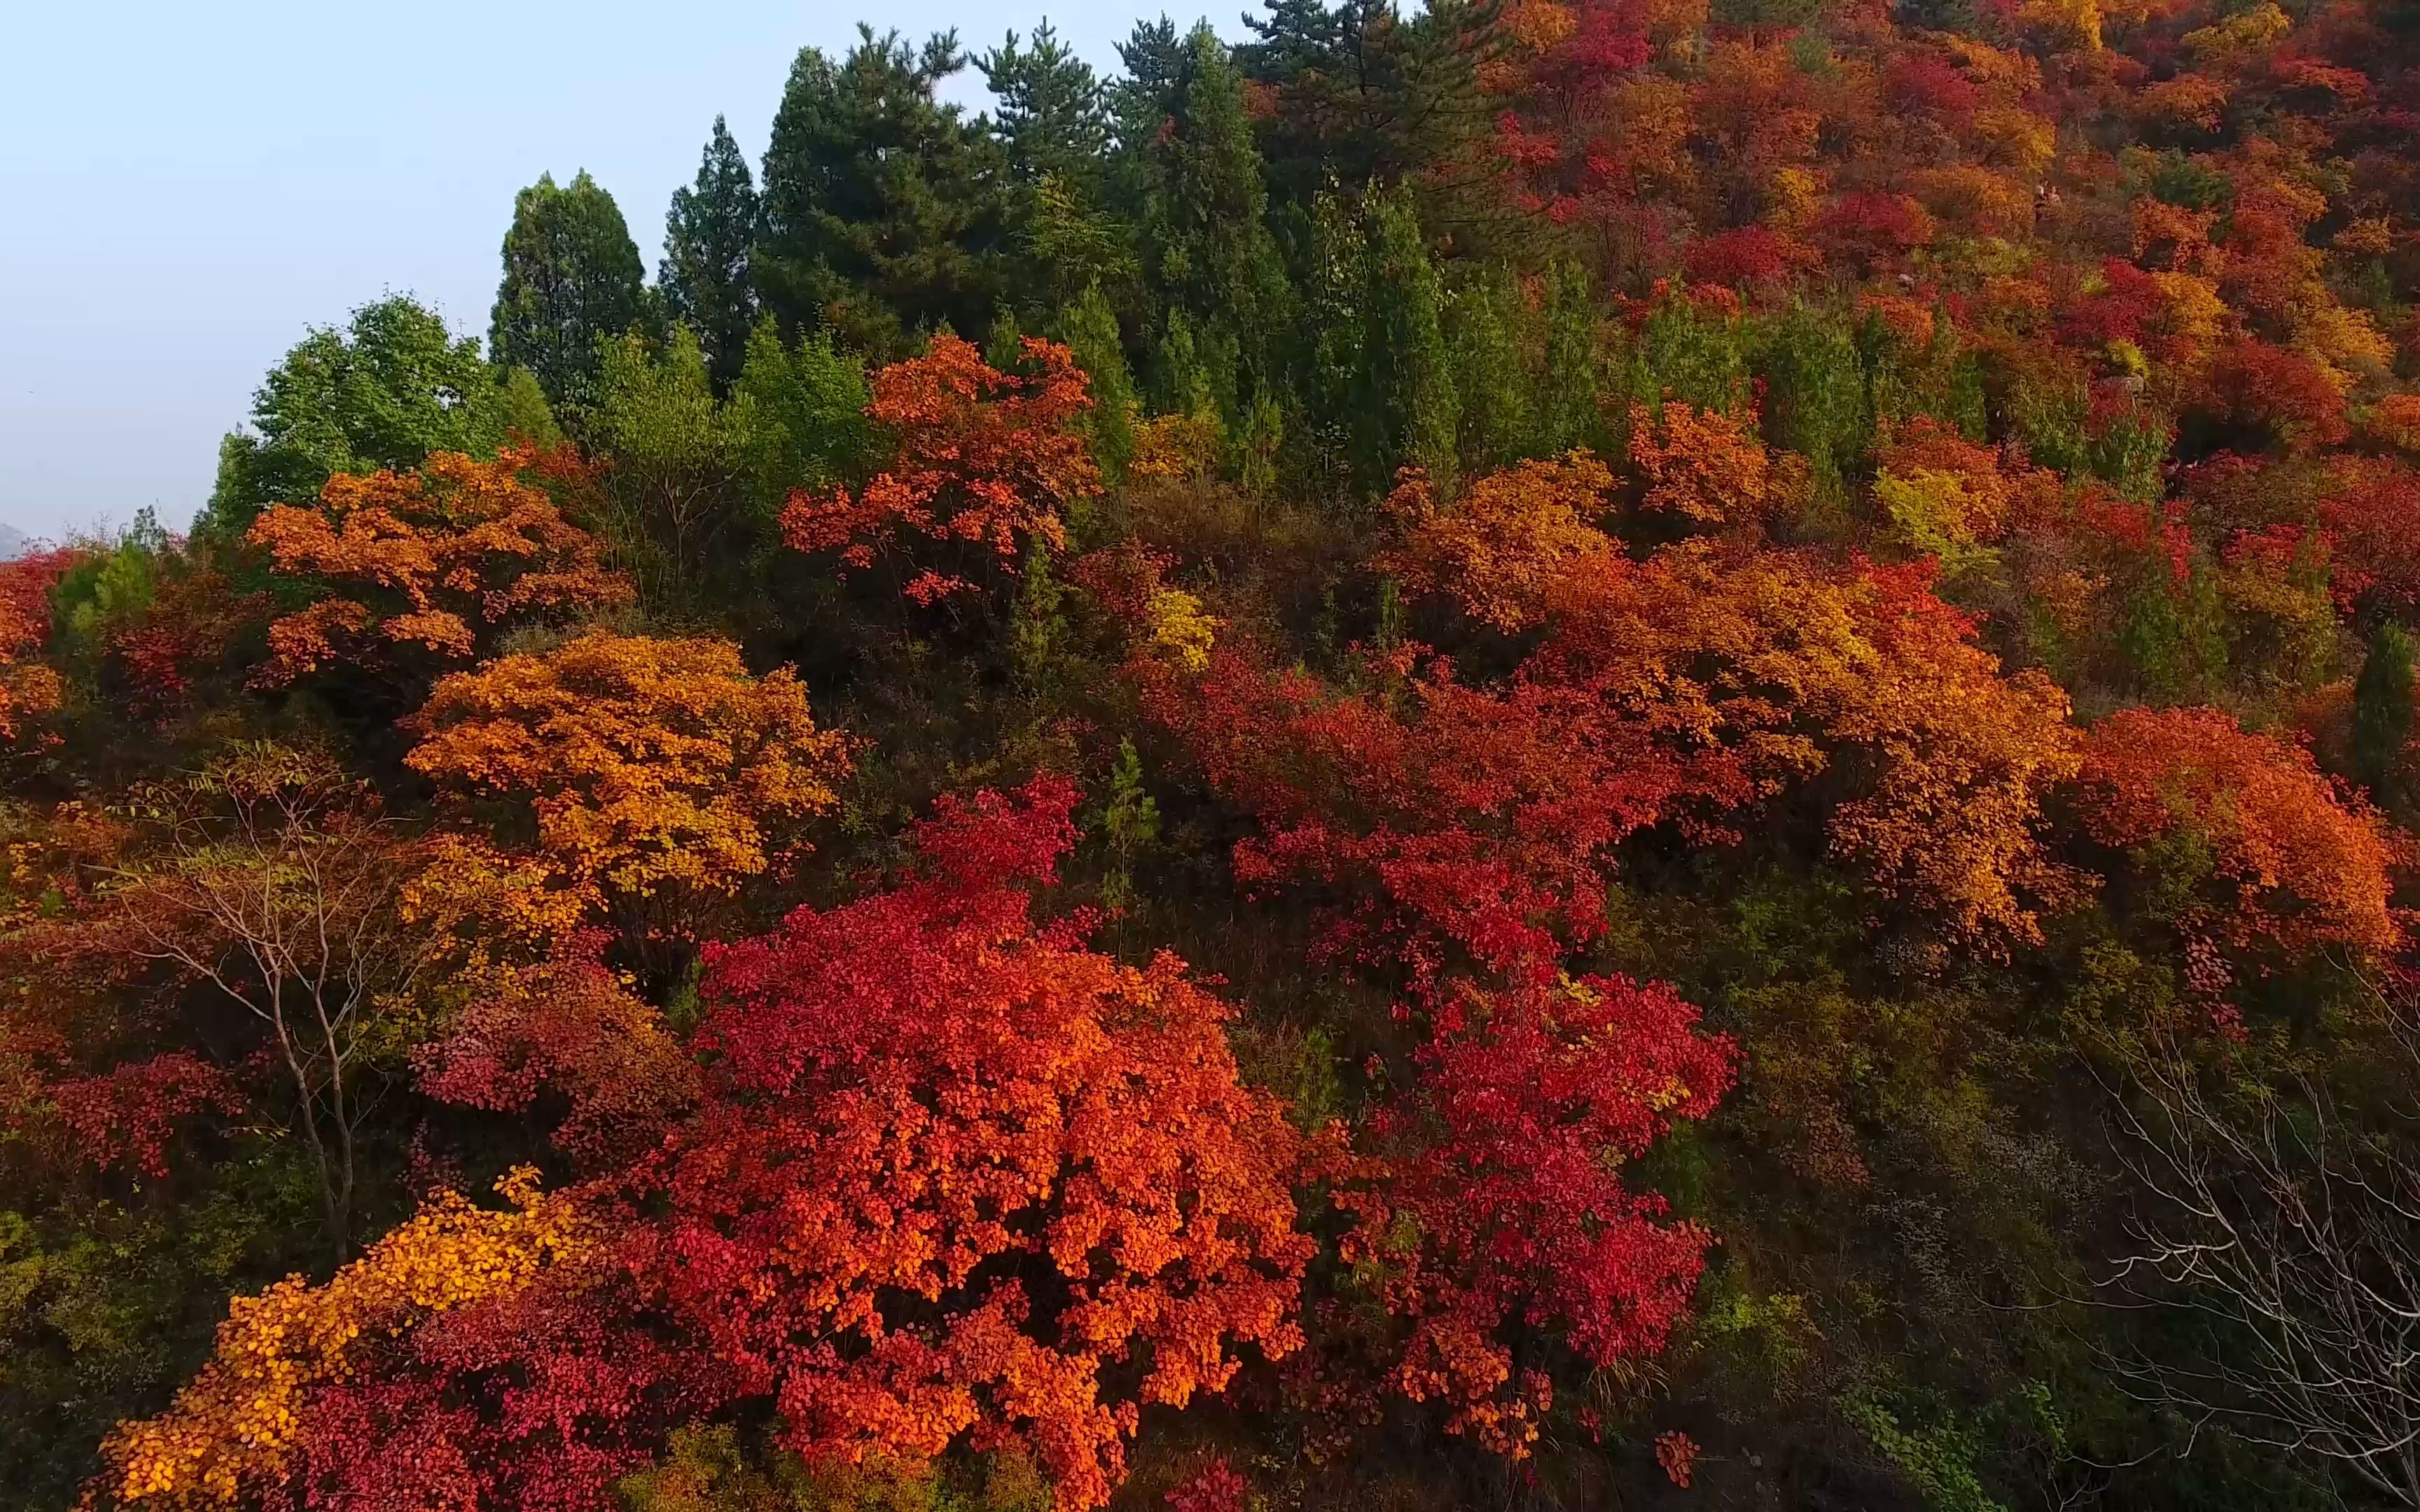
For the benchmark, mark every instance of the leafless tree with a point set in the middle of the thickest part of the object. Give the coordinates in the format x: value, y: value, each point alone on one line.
x: 273, y: 880
x: 2291, y: 1232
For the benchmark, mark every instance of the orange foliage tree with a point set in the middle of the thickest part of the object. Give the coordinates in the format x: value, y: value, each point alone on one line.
x: 1507, y: 540
x: 648, y: 765
x: 1704, y: 465
x: 2266, y: 853
x: 984, y: 456
x: 440, y: 559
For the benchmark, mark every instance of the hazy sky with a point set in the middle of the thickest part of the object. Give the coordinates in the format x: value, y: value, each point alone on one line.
x: 184, y: 188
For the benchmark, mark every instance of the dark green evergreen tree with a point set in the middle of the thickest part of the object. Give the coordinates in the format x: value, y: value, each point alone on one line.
x: 1208, y: 249
x: 707, y: 235
x: 1053, y: 117
x: 572, y: 276
x: 1815, y: 398
x: 1053, y: 125
x: 1409, y: 410
x: 1365, y: 95
x: 2381, y: 714
x: 882, y: 206
x: 384, y: 390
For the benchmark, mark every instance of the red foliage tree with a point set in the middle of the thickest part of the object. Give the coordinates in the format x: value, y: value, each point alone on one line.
x: 2283, y: 396
x: 953, y: 1168
x: 28, y: 690
x: 1497, y: 1160
x: 982, y: 456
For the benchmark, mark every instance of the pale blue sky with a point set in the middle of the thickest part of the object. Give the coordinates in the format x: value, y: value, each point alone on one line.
x: 184, y: 188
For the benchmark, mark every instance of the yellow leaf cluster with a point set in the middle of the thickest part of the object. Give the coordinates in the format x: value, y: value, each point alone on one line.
x: 1180, y: 627
x: 231, y: 1430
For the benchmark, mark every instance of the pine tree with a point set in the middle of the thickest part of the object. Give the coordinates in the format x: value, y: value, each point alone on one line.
x: 1363, y: 94
x: 882, y: 206
x: 572, y: 276
x: 2381, y: 714
x: 703, y: 276
x: 1052, y: 126
x: 1054, y: 118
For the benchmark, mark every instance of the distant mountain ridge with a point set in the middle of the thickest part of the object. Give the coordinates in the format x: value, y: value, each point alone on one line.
x: 14, y: 543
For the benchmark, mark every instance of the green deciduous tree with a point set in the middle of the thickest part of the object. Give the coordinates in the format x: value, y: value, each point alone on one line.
x: 572, y: 277
x: 383, y: 391
x: 810, y: 400
x: 703, y: 276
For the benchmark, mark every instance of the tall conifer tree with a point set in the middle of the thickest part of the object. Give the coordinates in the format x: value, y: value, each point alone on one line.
x: 1207, y: 241
x: 2382, y: 714
x: 881, y: 205
x: 1409, y: 411
x: 572, y: 275
x: 707, y: 235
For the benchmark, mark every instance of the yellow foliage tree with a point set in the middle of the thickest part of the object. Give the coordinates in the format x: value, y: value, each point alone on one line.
x: 647, y: 764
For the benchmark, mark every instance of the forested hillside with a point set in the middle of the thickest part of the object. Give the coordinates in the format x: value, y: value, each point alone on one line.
x: 1548, y: 755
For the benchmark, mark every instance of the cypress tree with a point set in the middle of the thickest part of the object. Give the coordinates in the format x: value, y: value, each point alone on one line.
x: 572, y: 275
x: 2381, y: 714
x: 1569, y: 411
x: 1208, y: 247
x: 1090, y: 329
x: 1815, y: 399
x: 1334, y: 282
x: 704, y: 276
x: 1409, y: 411
x: 1484, y: 334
